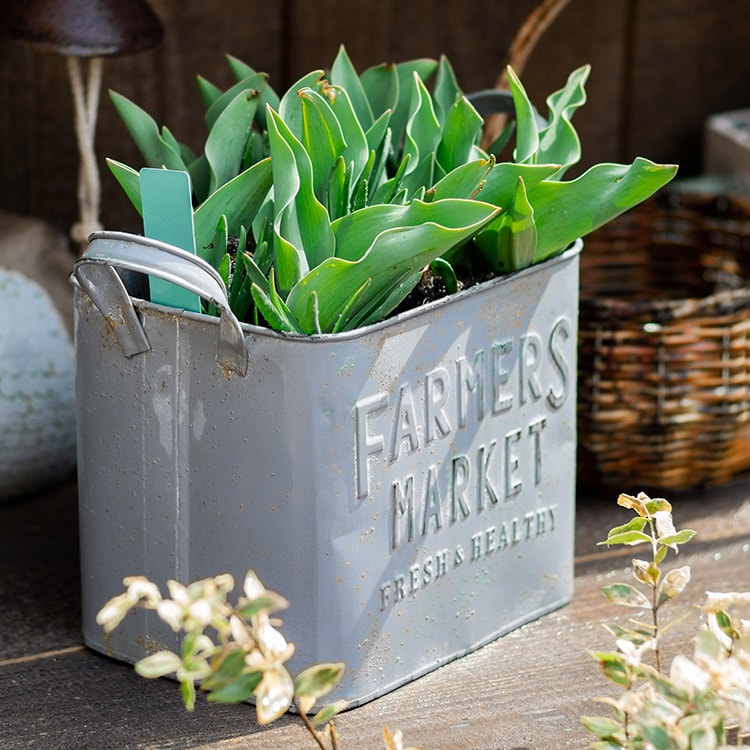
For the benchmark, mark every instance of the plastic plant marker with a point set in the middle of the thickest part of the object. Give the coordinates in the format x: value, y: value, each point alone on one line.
x: 168, y: 217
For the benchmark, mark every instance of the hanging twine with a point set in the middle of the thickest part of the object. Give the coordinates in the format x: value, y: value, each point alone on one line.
x: 86, y: 105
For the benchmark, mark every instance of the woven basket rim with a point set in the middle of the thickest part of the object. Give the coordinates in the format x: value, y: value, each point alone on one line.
x: 726, y: 301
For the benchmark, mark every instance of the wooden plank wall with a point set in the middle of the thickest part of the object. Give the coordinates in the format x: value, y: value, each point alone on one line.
x: 659, y: 67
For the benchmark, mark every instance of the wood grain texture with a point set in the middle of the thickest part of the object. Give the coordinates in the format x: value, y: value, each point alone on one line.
x: 658, y: 70
x: 690, y: 59
x: 525, y: 690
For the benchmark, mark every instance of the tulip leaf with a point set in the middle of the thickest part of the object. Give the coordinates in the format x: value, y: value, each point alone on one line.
x: 239, y: 200
x: 606, y: 191
x: 394, y: 254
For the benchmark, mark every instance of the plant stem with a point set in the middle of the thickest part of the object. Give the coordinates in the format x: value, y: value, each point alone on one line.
x: 313, y: 731
x: 654, y: 598
x: 654, y: 612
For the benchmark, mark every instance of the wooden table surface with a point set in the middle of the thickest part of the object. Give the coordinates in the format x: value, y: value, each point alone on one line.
x: 525, y: 690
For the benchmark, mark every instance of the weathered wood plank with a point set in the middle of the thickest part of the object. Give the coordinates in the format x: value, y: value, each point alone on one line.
x: 689, y: 60
x: 525, y: 690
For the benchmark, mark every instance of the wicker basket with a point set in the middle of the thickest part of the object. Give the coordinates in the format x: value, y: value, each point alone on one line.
x: 664, y: 353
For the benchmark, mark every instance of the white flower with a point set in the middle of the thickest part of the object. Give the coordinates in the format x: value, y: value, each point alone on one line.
x: 178, y: 592
x: 664, y: 525
x: 140, y: 587
x: 718, y: 600
x: 634, y: 654
x: 240, y: 632
x: 252, y: 586
x: 688, y: 675
x: 171, y: 613
x: 201, y: 612
x: 273, y: 695
x: 271, y: 642
x: 113, y: 612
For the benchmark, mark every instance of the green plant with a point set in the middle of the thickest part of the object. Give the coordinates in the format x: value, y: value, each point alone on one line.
x: 703, y: 703
x: 243, y: 659
x: 324, y: 207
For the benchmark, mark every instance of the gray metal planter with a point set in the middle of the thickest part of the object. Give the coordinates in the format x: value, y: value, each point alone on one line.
x: 409, y: 487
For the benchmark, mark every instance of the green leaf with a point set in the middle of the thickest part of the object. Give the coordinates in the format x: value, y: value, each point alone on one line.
x: 626, y: 595
x: 337, y: 193
x: 227, y: 139
x: 328, y: 712
x: 681, y: 537
x: 635, y: 524
x: 421, y: 177
x: 290, y: 107
x: 630, y: 538
x: 568, y: 210
x: 158, y: 665
x: 422, y: 127
x: 465, y: 181
x: 130, y: 182
x: 638, y: 637
x: 301, y: 222
x: 656, y: 504
x: 208, y: 91
x: 322, y: 138
x: 226, y: 667
x: 380, y: 84
x: 145, y: 132
x: 501, y: 183
x: 446, y: 272
x: 673, y: 583
x: 253, y: 86
x: 559, y: 141
x: 657, y: 736
x: 237, y: 690
x: 318, y: 680
x: 268, y: 97
x: 516, y: 234
x: 622, y: 534
x: 602, y: 726
x: 187, y: 689
x: 614, y: 667
x: 347, y: 311
x: 461, y: 132
x: 275, y: 311
x: 447, y: 91
x: 357, y: 148
x: 424, y: 68
x: 357, y: 232
x: 239, y: 200
x: 527, y: 132
x: 344, y: 75
x: 660, y: 555
x: 267, y: 602
x: 200, y: 178
x: 219, y: 256
x: 385, y: 256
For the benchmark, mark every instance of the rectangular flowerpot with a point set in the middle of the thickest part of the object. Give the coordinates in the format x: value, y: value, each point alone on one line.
x: 408, y: 486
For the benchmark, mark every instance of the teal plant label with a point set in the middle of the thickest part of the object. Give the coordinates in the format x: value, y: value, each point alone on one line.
x: 168, y: 217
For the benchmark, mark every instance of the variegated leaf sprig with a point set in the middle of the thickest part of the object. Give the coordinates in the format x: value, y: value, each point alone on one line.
x: 700, y: 702
x: 244, y: 658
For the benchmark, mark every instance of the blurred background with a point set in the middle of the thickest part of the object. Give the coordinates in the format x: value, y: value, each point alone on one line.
x: 659, y: 68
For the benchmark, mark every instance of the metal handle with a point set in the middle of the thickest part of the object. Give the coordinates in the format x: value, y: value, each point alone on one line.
x: 95, y: 274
